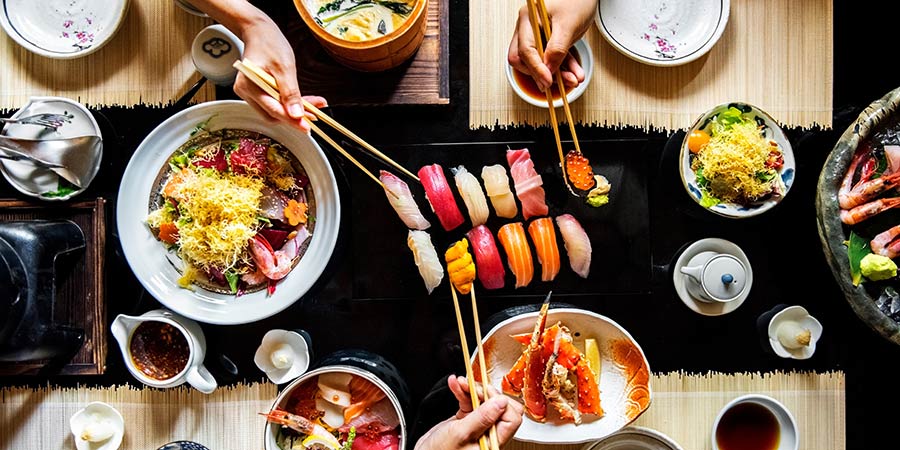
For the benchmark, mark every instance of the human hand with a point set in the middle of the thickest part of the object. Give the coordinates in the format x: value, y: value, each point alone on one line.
x: 463, y: 430
x: 569, y: 20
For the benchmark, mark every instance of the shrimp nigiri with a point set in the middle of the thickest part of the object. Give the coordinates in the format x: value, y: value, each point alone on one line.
x: 472, y: 195
x: 426, y: 257
x: 460, y: 266
x: 518, y: 253
x: 544, y: 236
x: 577, y: 244
x: 487, y: 258
x: 496, y: 184
x: 528, y: 183
x: 403, y: 203
x: 440, y: 197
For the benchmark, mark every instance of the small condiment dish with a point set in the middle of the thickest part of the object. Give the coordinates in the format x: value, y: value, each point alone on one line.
x: 793, y: 333
x: 283, y: 355
x: 97, y: 426
x: 527, y: 90
x: 755, y: 421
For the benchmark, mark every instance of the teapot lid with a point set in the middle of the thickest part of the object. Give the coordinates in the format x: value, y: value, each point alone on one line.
x: 724, y: 277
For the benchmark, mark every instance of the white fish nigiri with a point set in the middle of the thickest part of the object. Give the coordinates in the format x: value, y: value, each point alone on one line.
x: 496, y: 183
x: 430, y: 267
x: 472, y: 195
x: 404, y: 203
x: 577, y: 244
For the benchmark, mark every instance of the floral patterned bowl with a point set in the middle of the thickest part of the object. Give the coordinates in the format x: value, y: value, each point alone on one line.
x: 663, y: 32
x: 62, y: 29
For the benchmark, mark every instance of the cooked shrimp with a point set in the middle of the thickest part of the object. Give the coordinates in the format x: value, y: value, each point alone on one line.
x: 868, y: 190
x: 275, y: 265
x: 847, y: 183
x: 882, y: 243
x: 862, y: 212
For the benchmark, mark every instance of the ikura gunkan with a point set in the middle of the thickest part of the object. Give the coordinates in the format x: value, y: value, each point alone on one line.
x: 236, y: 208
x: 336, y: 410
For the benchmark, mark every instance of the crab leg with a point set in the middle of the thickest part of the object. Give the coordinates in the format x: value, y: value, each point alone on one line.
x: 535, y: 403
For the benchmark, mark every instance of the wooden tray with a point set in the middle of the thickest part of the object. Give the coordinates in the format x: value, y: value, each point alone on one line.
x: 80, y: 296
x: 424, y: 80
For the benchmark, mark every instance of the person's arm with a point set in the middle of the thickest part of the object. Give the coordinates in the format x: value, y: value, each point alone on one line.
x: 462, y: 431
x: 569, y: 20
x: 266, y: 46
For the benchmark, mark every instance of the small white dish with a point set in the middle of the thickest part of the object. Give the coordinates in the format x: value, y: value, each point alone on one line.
x: 584, y: 54
x: 786, y: 427
x: 681, y: 281
x: 62, y: 29
x: 97, y: 426
x: 663, y: 32
x: 634, y: 438
x: 214, y: 51
x: 784, y: 326
x: 283, y: 355
x: 35, y: 181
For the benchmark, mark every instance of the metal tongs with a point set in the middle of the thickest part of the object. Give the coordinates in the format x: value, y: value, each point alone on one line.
x: 74, y: 159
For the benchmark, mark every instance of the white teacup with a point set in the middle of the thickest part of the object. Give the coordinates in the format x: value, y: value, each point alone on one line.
x: 757, y: 418
x: 193, y: 372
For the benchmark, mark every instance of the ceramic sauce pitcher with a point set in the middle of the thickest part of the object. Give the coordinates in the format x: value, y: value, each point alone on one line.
x: 163, y: 349
x: 715, y: 277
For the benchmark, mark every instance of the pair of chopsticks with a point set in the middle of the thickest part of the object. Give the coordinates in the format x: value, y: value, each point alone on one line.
x: 470, y: 375
x: 267, y: 83
x: 537, y: 12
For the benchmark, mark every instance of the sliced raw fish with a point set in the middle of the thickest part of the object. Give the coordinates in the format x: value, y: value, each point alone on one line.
x: 577, y: 243
x: 440, y: 196
x: 496, y: 184
x: 488, y: 265
x: 426, y: 257
x: 543, y: 235
x: 518, y: 252
x: 384, y: 441
x: 528, y: 183
x: 403, y: 203
x: 379, y: 418
x: 472, y: 195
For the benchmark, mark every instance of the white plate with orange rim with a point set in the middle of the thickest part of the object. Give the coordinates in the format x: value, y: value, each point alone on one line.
x: 148, y: 257
x: 624, y: 379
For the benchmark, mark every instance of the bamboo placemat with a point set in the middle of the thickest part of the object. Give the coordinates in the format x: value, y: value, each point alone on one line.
x: 775, y: 54
x: 226, y: 419
x: 147, y: 61
x: 684, y: 407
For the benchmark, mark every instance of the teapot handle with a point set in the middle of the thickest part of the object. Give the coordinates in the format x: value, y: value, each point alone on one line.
x: 693, y: 272
x: 200, y: 378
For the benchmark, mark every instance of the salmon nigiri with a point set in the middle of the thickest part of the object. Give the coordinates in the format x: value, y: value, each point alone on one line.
x: 529, y: 184
x: 518, y: 252
x: 577, y: 243
x: 543, y: 235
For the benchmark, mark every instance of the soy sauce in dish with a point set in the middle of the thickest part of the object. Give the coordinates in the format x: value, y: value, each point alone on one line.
x: 159, y: 350
x: 531, y: 89
x: 748, y: 426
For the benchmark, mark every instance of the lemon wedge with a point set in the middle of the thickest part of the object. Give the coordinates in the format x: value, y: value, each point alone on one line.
x: 328, y: 441
x: 592, y: 353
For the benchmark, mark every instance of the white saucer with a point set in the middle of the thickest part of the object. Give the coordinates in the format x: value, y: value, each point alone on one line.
x: 700, y: 306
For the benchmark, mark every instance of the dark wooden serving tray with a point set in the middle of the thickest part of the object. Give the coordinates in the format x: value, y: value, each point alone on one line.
x: 80, y: 293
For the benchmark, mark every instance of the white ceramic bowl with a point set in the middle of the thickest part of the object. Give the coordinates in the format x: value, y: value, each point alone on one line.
x: 147, y: 256
x: 787, y: 427
x: 624, y: 385
x: 585, y: 55
x: 663, y: 32
x: 772, y: 131
x: 62, y: 29
x: 102, y: 412
x: 634, y: 438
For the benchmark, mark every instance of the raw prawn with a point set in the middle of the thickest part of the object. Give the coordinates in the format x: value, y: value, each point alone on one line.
x: 518, y: 252
x: 577, y: 243
x: 472, y: 195
x: 528, y: 183
x: 300, y: 424
x: 543, y: 235
x: 868, y: 190
x: 403, y: 203
x: 862, y: 212
x: 886, y: 243
x: 496, y: 184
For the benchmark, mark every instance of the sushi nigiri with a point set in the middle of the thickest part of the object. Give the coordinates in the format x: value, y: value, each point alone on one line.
x: 472, y: 195
x: 439, y: 195
x: 426, y: 257
x: 528, y: 183
x: 496, y: 183
x: 403, y: 203
x: 518, y: 252
x: 487, y: 259
x: 544, y: 237
x: 460, y: 266
x: 577, y: 244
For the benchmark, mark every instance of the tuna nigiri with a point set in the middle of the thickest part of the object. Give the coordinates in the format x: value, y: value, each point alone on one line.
x: 403, y: 203
x: 426, y: 257
x: 528, y: 183
x: 460, y: 266
x: 544, y: 237
x: 577, y: 244
x: 472, y: 195
x: 439, y: 195
x: 487, y: 258
x: 518, y: 252
x: 496, y: 183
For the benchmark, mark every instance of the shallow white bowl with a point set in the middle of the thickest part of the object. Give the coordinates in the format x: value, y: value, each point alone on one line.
x: 663, y: 32
x: 62, y: 29
x: 585, y: 55
x: 147, y: 256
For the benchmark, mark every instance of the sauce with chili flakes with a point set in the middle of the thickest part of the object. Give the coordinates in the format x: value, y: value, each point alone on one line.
x: 159, y: 350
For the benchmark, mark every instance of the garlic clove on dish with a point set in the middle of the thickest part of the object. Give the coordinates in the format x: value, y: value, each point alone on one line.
x: 792, y: 335
x: 97, y: 428
x: 282, y: 356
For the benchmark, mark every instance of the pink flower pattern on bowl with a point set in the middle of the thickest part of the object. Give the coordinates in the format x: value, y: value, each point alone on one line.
x: 83, y: 36
x: 664, y: 48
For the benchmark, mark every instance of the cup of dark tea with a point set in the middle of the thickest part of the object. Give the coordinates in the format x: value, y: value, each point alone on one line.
x: 755, y: 422
x: 525, y: 87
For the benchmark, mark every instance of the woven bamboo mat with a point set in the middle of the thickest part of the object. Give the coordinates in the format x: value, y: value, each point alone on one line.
x: 226, y: 419
x: 147, y: 61
x: 775, y: 54
x: 684, y: 407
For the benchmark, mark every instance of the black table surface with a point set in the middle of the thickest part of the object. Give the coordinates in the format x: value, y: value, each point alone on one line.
x: 372, y: 298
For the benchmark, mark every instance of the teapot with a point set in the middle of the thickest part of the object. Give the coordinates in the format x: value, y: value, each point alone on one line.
x: 170, y: 358
x: 715, y: 277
